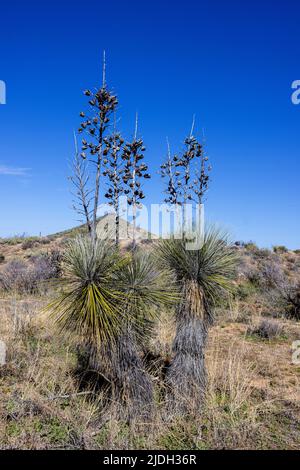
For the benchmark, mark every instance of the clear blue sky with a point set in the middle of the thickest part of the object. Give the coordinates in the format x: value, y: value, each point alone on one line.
x: 231, y: 63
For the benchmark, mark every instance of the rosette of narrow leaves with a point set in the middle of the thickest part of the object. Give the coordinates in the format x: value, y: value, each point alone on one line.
x: 147, y: 287
x: 89, y: 301
x: 211, y: 267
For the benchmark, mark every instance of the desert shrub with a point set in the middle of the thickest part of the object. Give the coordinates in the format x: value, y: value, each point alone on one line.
x: 270, y: 274
x: 245, y: 268
x: 29, y: 243
x: 244, y: 291
x: 284, y: 299
x: 280, y: 249
x: 267, y: 329
x: 263, y: 253
x: 45, y: 240
x: 291, y: 258
x: 267, y: 272
x: 281, y: 293
x: 252, y: 250
x: 15, y: 240
x: 30, y: 277
x: 267, y: 279
x: 292, y: 264
x: 254, y: 276
x: 12, y: 274
x: 47, y: 266
x: 2, y: 258
x: 250, y: 245
x: 297, y: 252
x: 290, y: 293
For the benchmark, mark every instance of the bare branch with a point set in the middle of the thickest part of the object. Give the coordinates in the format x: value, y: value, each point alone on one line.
x: 80, y: 181
x: 104, y: 71
x: 136, y: 125
x: 193, y: 125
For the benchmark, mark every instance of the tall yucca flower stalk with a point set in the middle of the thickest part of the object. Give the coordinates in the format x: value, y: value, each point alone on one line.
x: 203, y: 276
x: 94, y: 125
x: 114, y: 171
x: 134, y: 172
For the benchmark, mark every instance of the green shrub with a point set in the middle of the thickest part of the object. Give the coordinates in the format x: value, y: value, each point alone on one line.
x: 16, y: 240
x: 280, y: 249
x: 263, y: 253
x: 251, y: 246
x: 245, y: 290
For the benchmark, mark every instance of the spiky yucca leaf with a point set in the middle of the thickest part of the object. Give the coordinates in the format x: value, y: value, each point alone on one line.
x: 89, y: 301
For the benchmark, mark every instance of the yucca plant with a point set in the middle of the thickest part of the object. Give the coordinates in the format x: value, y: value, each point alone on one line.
x: 203, y: 275
x: 109, y: 300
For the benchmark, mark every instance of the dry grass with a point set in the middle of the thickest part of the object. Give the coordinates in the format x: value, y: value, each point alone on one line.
x: 252, y: 396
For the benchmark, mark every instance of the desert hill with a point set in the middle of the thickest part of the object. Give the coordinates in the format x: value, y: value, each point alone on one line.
x: 24, y: 247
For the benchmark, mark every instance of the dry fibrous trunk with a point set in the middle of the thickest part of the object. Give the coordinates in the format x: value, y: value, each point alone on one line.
x: 186, y: 376
x: 133, y: 387
x: 120, y: 366
x: 92, y: 367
